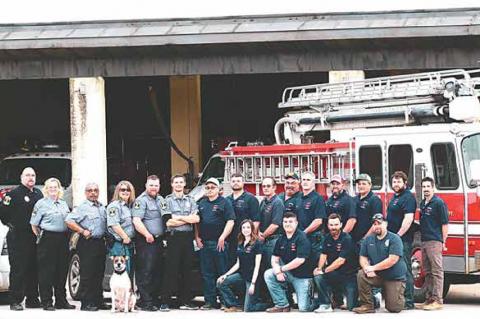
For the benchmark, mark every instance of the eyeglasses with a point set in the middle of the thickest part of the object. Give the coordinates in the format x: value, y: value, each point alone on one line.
x: 267, y: 186
x: 92, y: 190
x: 210, y: 187
x: 125, y: 189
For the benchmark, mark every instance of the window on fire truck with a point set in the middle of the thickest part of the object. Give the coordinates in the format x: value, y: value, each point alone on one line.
x: 470, y: 151
x: 400, y: 158
x: 444, y: 166
x: 214, y: 168
x: 371, y: 164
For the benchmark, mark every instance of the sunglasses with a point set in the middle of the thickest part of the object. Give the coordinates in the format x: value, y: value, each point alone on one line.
x: 125, y: 189
x: 210, y: 187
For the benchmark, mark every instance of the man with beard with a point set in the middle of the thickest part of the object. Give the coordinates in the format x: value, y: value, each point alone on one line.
x: 341, y: 203
x: 382, y: 266
x: 292, y: 192
x: 15, y: 212
x: 246, y: 206
x: 336, y: 268
x: 400, y: 212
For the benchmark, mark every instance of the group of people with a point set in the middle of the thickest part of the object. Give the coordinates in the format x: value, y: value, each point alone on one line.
x: 346, y: 246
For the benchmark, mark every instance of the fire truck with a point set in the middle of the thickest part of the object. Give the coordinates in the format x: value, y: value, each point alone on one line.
x: 425, y: 124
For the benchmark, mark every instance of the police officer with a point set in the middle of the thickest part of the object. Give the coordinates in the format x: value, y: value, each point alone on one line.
x: 48, y: 224
x: 89, y: 220
x: 246, y: 206
x: 180, y: 216
x: 15, y: 212
x: 147, y: 218
x: 311, y: 212
x: 292, y: 192
x: 400, y: 212
x: 217, y: 219
x: 341, y: 203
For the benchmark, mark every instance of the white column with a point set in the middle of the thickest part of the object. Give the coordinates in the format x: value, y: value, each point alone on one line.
x: 88, y: 136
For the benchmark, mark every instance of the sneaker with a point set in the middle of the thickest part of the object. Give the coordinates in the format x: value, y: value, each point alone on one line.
x: 278, y: 309
x: 164, y: 307
x: 149, y: 307
x: 433, y: 306
x: 207, y: 306
x: 363, y: 309
x: 16, y: 307
x: 188, y: 306
x: 324, y: 308
x: 422, y: 305
x: 233, y: 309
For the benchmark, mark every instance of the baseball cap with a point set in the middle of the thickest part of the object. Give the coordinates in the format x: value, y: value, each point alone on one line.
x: 212, y: 180
x: 292, y: 175
x: 363, y: 177
x: 378, y: 217
x: 336, y: 178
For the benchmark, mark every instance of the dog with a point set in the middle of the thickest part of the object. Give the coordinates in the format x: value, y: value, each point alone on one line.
x: 123, y: 298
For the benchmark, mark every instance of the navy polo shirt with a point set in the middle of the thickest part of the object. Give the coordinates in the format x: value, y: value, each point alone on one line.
x: 271, y: 212
x: 341, y: 204
x: 290, y: 203
x: 377, y: 250
x: 310, y: 207
x: 246, y: 256
x: 365, y: 208
x: 213, y: 217
x: 245, y: 206
x: 433, y: 215
x: 298, y: 246
x: 400, y: 205
x: 342, y: 247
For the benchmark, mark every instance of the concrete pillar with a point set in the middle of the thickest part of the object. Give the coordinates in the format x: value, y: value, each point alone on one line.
x: 186, y: 121
x: 88, y: 136
x: 342, y: 76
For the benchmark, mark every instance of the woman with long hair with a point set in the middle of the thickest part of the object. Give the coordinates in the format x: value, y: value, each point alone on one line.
x: 245, y: 271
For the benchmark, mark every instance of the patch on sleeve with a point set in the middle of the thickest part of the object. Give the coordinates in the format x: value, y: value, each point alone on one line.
x: 136, y: 205
x: 164, y: 205
x: 6, y: 200
x: 112, y: 212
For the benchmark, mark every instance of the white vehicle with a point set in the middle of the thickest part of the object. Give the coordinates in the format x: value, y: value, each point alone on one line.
x: 4, y: 264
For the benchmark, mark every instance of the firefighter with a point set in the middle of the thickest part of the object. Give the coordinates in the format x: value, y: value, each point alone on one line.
x: 15, y: 212
x: 48, y: 224
x: 246, y: 206
x: 147, y: 218
x: 89, y: 220
x: 341, y: 203
x: 217, y: 219
x: 400, y: 213
x: 292, y: 192
x: 434, y: 232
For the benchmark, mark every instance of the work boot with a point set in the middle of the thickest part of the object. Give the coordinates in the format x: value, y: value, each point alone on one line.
x: 433, y: 306
x: 364, y: 309
x: 32, y: 303
x: 233, y: 309
x: 16, y: 307
x: 422, y: 305
x: 278, y: 309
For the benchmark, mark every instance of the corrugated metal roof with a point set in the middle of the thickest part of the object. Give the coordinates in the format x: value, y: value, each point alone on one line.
x: 331, y: 26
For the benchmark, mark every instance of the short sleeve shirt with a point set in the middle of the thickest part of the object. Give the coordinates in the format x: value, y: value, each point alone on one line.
x: 342, y: 205
x: 246, y: 206
x: 377, y: 250
x: 119, y: 214
x: 433, y: 215
x: 342, y: 247
x: 17, y: 206
x: 365, y: 208
x: 50, y: 215
x: 246, y: 256
x: 91, y: 216
x: 290, y: 203
x: 298, y: 246
x: 310, y: 207
x: 271, y: 212
x: 400, y: 205
x: 214, y: 216
x: 149, y: 210
x: 182, y: 206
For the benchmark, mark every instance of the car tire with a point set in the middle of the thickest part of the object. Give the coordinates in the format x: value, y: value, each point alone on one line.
x: 74, y: 276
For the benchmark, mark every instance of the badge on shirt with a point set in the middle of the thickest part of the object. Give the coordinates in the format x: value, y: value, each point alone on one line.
x: 214, y: 208
x: 112, y: 212
x: 6, y: 200
x: 27, y: 199
x: 308, y: 205
x: 136, y: 205
x: 293, y: 247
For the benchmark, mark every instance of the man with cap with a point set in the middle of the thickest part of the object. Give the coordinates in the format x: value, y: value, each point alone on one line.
x: 341, y: 203
x: 382, y: 266
x: 217, y: 219
x: 400, y: 211
x: 245, y: 206
x: 15, y: 212
x: 292, y: 192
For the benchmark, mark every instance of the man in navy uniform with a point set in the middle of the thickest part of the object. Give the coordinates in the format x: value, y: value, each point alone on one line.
x: 292, y: 192
x: 341, y: 203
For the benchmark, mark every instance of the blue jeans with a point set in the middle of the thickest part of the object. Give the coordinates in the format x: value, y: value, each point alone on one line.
x: 338, y: 283
x: 213, y: 264
x: 407, y: 257
x: 278, y: 290
x: 251, y: 303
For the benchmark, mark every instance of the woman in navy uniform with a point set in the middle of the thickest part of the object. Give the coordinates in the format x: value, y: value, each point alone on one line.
x: 48, y: 224
x: 245, y: 271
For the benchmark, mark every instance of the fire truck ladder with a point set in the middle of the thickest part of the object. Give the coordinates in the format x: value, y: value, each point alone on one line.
x: 255, y: 167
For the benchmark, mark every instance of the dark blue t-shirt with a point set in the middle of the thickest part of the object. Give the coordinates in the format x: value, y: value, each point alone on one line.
x: 310, y: 207
x: 377, y: 250
x: 433, y: 215
x: 298, y: 246
x: 342, y: 247
x: 343, y: 205
x: 213, y: 217
x: 246, y: 256
x: 246, y: 206
x: 400, y: 205
x: 291, y: 203
x: 271, y: 212
x: 365, y: 208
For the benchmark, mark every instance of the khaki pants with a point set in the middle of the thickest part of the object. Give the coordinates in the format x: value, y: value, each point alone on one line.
x: 432, y: 262
x: 393, y: 291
